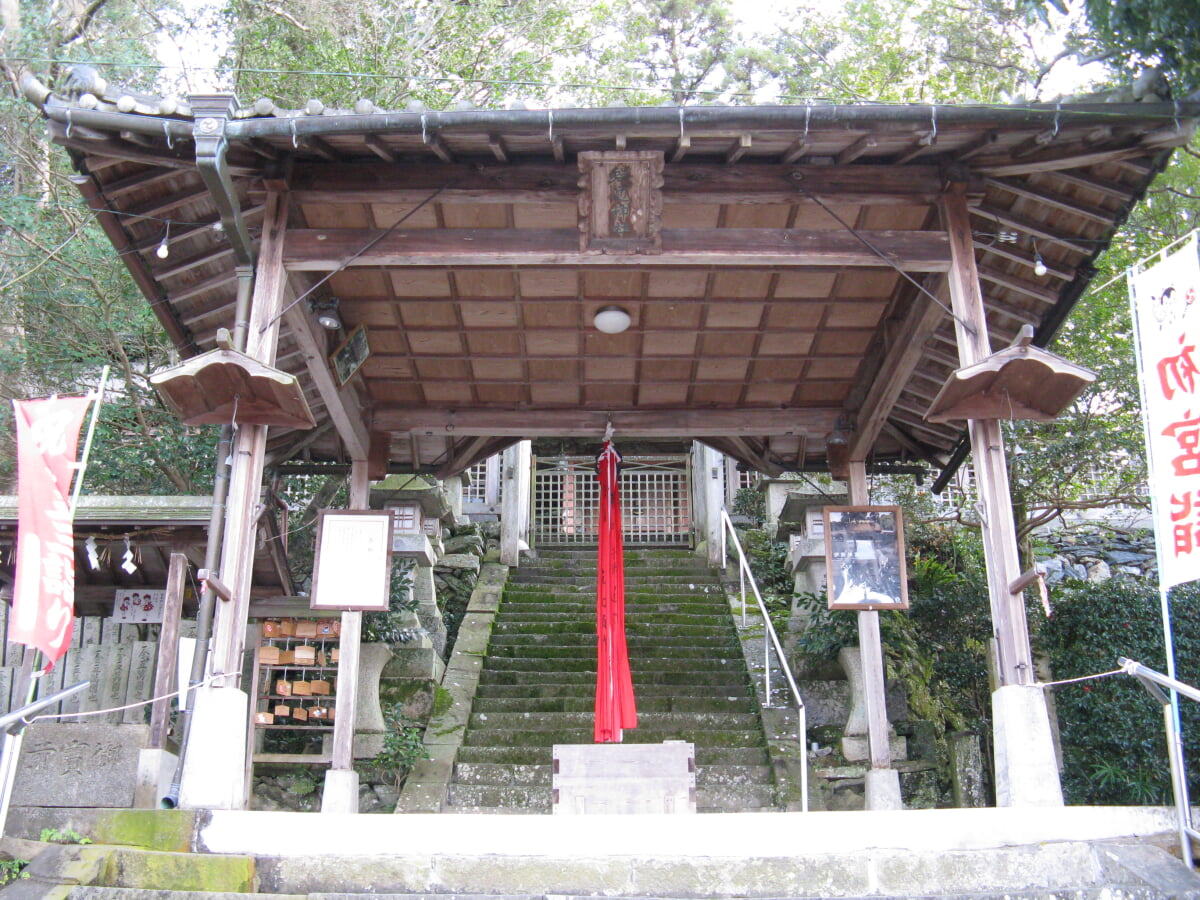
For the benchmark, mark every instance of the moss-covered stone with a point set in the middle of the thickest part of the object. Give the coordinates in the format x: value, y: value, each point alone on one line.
x: 180, y: 871
x: 153, y: 829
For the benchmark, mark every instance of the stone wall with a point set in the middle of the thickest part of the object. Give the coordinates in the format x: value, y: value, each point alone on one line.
x: 1096, y: 556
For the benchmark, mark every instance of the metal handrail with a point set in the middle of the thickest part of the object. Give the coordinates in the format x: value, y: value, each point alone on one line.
x: 771, y: 639
x: 1151, y: 681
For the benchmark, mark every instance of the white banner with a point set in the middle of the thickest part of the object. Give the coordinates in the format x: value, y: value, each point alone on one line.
x: 1166, y: 318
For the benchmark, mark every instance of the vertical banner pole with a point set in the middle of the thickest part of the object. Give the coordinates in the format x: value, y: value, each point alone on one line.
x: 1162, y: 292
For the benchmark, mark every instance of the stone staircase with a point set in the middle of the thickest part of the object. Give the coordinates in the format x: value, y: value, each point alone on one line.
x: 537, y: 683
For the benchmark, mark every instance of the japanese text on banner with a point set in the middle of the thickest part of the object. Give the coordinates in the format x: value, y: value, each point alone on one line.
x: 1168, y: 327
x: 44, y: 592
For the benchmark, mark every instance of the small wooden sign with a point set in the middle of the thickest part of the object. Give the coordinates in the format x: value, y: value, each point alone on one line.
x: 620, y: 201
x: 353, y: 561
x: 138, y: 606
x: 864, y: 556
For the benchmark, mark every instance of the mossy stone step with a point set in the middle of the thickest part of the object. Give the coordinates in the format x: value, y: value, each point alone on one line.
x: 561, y: 646
x: 641, y: 663
x: 723, y: 680
x: 654, y: 721
x: 503, y: 774
x: 543, y: 755
x: 546, y: 737
x: 551, y: 689
x: 586, y: 704
x: 518, y: 797
x: 585, y: 579
x: 736, y: 798
x: 632, y: 591
x: 641, y: 634
x: 538, y: 799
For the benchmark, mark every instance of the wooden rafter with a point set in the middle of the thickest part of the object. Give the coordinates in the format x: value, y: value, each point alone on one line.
x: 317, y: 250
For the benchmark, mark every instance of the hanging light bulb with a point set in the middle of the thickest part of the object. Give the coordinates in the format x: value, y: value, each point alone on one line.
x: 1039, y: 264
x: 164, y: 248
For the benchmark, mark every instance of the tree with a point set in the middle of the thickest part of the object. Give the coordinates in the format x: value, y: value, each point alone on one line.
x: 69, y: 307
x: 1129, y: 35
x: 394, y: 52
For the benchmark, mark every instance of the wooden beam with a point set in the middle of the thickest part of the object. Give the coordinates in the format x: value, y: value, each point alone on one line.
x: 857, y: 149
x: 916, y: 148
x: 979, y: 145
x: 1122, y: 192
x: 548, y: 183
x: 1024, y: 286
x: 682, y: 146
x: 496, y: 145
x: 341, y: 402
x: 738, y: 149
x: 377, y: 146
x: 324, y: 250
x: 1025, y: 259
x: 435, y: 143
x: 473, y: 450
x: 798, y: 148
x: 113, y: 228
x: 203, y: 287
x: 1021, y: 189
x: 890, y: 380
x: 1068, y: 160
x: 997, y: 216
x: 583, y: 423
x: 319, y: 146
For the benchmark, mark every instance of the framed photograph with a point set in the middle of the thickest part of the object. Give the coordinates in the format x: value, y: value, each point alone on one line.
x: 864, y: 555
x: 352, y: 566
x: 349, y: 357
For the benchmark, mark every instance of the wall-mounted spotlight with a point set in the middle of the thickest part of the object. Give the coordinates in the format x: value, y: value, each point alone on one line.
x: 326, y: 311
x: 611, y: 320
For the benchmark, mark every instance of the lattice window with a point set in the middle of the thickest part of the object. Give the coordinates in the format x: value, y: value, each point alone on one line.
x: 655, y: 501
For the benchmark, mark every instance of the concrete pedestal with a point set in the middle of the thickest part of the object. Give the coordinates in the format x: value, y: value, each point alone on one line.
x: 214, y: 771
x: 155, y: 771
x: 1026, y: 773
x: 340, y: 794
x: 883, y: 789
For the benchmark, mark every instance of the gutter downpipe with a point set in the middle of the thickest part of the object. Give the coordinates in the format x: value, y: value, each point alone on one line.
x: 210, y: 160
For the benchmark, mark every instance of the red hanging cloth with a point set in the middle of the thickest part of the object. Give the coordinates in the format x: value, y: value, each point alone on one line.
x: 615, y: 708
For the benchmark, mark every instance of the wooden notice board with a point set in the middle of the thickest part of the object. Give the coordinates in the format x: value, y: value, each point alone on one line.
x: 352, y: 564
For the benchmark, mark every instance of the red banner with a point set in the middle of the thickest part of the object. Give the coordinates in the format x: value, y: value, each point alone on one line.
x: 44, y: 594
x: 616, y: 709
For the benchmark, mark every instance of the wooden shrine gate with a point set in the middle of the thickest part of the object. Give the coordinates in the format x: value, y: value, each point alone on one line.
x: 655, y: 501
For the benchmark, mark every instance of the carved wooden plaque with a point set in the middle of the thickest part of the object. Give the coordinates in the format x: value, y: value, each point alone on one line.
x: 620, y: 201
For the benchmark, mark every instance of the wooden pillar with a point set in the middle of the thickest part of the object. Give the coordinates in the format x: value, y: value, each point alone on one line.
x: 214, y: 773
x: 711, y: 472
x: 514, y: 504
x: 1010, y: 627
x: 883, y: 782
x: 249, y: 450
x: 341, y: 782
x: 1026, y: 767
x: 165, y: 673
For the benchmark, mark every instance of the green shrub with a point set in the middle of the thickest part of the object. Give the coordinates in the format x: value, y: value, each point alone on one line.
x: 1113, y: 741
x: 403, y: 744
